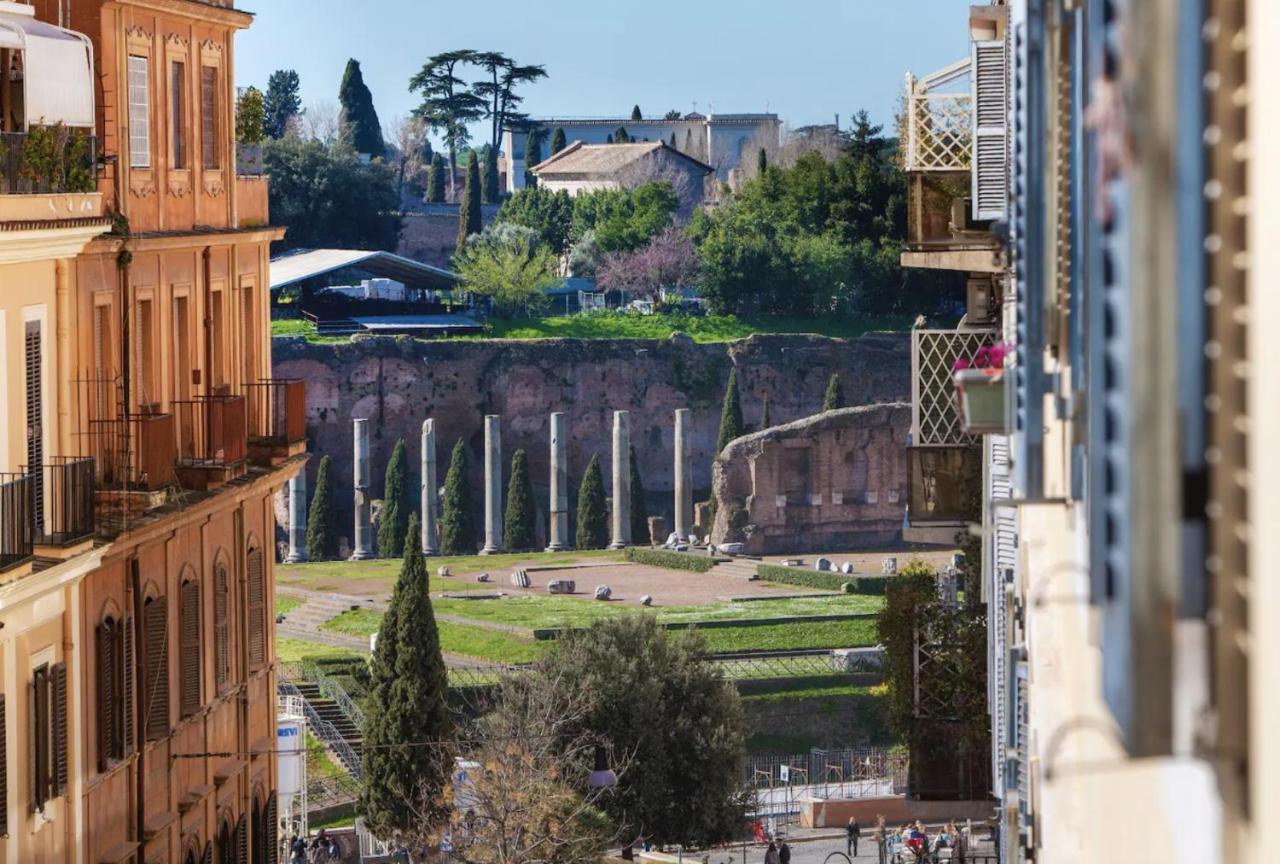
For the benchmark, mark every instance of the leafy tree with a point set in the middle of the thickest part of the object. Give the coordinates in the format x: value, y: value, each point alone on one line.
x: 322, y: 519
x: 765, y: 420
x: 762, y: 162
x: 499, y: 91
x: 907, y: 596
x: 557, y: 140
x: 448, y: 104
x: 521, y: 515
x: 532, y: 155
x: 251, y: 117
x: 624, y: 219
x: 397, y: 504
x: 469, y: 217
x: 655, y: 695
x: 639, y: 505
x: 457, y: 526
x: 620, y: 136
x: 731, y: 423
x: 635, y: 113
x: 281, y: 103
x: 490, y: 181
x: 328, y: 198
x: 359, y: 121
x: 548, y: 213
x: 435, y: 180
x: 593, y: 521
x: 585, y: 255
x: 506, y: 263
x: 673, y: 114
x: 404, y: 777
x: 834, y: 397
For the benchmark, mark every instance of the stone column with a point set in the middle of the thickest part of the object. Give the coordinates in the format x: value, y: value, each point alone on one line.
x: 297, y: 518
x: 364, y: 530
x: 558, y: 523
x: 492, y: 485
x: 430, y: 528
x: 683, y: 484
x: 621, y: 480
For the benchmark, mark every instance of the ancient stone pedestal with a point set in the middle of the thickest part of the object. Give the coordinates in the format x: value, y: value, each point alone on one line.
x: 430, y: 525
x: 558, y: 523
x: 492, y: 485
x: 621, y: 480
x: 297, y: 518
x: 683, y: 484
x: 360, y: 480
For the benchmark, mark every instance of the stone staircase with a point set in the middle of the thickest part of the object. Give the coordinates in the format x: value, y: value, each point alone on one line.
x: 329, y: 711
x: 304, y: 622
x: 736, y: 568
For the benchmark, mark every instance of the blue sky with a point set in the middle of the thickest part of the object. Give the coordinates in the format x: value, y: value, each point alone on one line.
x: 803, y: 59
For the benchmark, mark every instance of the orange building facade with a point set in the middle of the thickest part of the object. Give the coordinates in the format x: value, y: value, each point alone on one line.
x: 142, y: 444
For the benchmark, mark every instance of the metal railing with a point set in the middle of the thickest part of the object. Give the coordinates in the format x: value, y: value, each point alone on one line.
x: 939, y: 122
x: 334, y: 690
x: 325, y: 731
x: 212, y: 430
x: 277, y: 411
x: 48, y: 159
x: 17, y: 519
x: 935, y: 421
x: 67, y: 485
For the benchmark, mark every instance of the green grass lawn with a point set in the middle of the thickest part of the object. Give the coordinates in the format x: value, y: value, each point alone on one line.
x: 791, y: 637
x: 475, y: 642
x: 294, y: 650
x: 286, y: 604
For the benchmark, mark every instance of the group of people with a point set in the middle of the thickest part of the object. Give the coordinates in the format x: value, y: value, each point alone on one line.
x: 322, y: 849
x: 911, y: 844
x: 777, y: 853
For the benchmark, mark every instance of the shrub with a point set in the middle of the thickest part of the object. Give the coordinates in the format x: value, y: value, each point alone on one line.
x: 824, y: 580
x: 669, y: 560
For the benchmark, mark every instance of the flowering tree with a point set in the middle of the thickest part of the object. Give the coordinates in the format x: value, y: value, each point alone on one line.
x: 668, y: 261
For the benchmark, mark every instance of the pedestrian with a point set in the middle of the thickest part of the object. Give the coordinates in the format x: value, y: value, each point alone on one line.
x: 852, y: 832
x: 784, y: 853
x: 335, y: 851
x: 771, y: 854
x: 881, y: 837
x: 298, y: 850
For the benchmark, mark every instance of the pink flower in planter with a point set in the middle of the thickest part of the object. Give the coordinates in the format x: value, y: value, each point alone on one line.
x: 988, y: 357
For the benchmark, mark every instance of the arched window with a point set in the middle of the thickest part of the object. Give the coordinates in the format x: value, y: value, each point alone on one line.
x: 257, y: 605
x: 155, y: 689
x: 226, y: 853
x: 189, y: 653
x: 265, y: 836
x: 221, y: 637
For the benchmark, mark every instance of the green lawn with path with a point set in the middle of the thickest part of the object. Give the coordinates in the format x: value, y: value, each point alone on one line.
x: 286, y: 604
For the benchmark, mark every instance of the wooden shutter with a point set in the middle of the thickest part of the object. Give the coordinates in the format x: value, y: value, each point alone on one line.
x: 4, y: 767
x: 127, y: 708
x: 271, y: 830
x: 990, y: 178
x: 108, y: 746
x: 242, y: 841
x: 35, y: 420
x: 222, y: 649
x: 189, y: 649
x: 207, y: 857
x: 38, y: 737
x: 58, y: 729
x: 257, y: 610
x: 155, y: 691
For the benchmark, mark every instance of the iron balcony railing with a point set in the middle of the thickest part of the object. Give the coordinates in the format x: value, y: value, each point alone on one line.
x: 48, y: 159
x: 212, y: 431
x: 277, y: 411
x: 66, y: 515
x: 17, y: 519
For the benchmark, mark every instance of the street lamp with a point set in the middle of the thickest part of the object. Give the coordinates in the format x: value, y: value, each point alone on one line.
x: 602, y: 777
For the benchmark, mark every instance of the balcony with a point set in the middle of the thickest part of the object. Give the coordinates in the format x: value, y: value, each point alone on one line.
x: 17, y: 525
x: 277, y: 420
x: 66, y: 520
x: 212, y: 440
x: 47, y: 160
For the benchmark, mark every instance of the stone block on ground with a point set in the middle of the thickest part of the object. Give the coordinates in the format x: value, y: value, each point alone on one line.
x: 889, y: 566
x: 520, y: 578
x: 646, y: 600
x: 442, y: 571
x: 732, y: 548
x: 561, y: 586
x: 823, y: 564
x: 657, y: 529
x: 846, y: 568
x: 483, y: 577
x: 603, y: 592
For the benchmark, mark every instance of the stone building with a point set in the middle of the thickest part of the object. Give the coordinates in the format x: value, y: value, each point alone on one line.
x: 837, y: 480
x: 582, y: 168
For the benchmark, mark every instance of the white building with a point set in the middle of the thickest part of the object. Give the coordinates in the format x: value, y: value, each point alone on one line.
x: 586, y: 167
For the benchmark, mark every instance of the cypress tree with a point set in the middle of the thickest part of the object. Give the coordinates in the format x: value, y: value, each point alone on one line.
x: 435, y: 180
x: 621, y: 136
x: 469, y: 221
x: 835, y: 394
x: 359, y: 121
x: 532, y: 155
x: 731, y: 424
x: 405, y: 708
x: 322, y: 528
x: 396, y: 504
x: 762, y: 162
x: 457, y: 530
x: 518, y: 525
x: 673, y: 141
x: 492, y: 192
x: 764, y: 414
x: 593, y: 521
x: 639, y: 510
x: 609, y: 139
x: 557, y: 140
x: 635, y: 113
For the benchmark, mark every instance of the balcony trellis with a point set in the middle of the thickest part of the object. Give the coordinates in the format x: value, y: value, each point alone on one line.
x: 940, y: 120
x: 935, y: 422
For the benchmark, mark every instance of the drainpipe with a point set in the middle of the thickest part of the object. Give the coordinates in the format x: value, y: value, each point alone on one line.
x: 63, y: 330
x: 139, y: 685
x: 242, y: 652
x: 207, y: 375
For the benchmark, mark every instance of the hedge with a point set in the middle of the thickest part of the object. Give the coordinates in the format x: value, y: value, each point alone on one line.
x: 826, y: 580
x: 670, y: 560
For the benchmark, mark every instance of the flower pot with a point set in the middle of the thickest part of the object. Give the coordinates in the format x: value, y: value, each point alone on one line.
x: 980, y: 394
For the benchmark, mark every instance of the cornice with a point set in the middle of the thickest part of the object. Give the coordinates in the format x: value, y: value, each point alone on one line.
x: 194, y: 9
x: 44, y: 244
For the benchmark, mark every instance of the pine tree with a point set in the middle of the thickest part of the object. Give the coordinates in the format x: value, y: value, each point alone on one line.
x: 835, y: 394
x: 593, y: 521
x: 322, y: 520
x: 359, y: 121
x: 635, y: 113
x: 281, y: 102
x: 492, y: 192
x: 762, y: 162
x: 457, y: 530
x: 435, y: 180
x: 532, y: 155
x: 557, y: 140
x: 731, y: 423
x: 639, y: 509
x: 469, y: 221
x: 406, y: 708
x: 519, y: 524
x: 397, y: 504
x: 764, y: 414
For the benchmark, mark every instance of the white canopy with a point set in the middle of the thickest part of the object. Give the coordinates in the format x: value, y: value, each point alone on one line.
x: 57, y: 66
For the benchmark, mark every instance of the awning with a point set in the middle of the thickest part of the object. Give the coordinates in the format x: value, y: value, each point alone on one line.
x: 57, y: 74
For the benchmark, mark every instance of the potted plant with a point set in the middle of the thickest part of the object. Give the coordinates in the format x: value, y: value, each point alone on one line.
x: 980, y: 390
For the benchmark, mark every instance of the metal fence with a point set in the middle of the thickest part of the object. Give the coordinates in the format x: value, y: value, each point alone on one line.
x: 324, y: 730
x: 778, y: 783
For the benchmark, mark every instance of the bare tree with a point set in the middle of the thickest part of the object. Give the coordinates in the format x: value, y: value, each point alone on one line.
x: 689, y: 191
x: 826, y: 140
x: 408, y: 135
x: 321, y: 121
x: 668, y: 261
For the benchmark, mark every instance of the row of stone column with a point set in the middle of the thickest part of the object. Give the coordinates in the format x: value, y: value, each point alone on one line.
x: 558, y: 514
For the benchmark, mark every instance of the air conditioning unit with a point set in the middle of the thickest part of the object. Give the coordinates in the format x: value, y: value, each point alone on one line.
x: 981, y: 301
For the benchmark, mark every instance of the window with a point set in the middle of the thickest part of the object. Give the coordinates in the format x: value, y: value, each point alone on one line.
x: 209, y: 115
x: 48, y: 733
x: 264, y: 840
x: 139, y: 112
x: 218, y: 375
x: 178, y: 113
x: 115, y: 690
x: 189, y: 636
x: 257, y: 608
x: 221, y: 641
x: 248, y: 349
x: 182, y: 353
x: 155, y: 691
x: 102, y: 367
x: 148, y: 392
